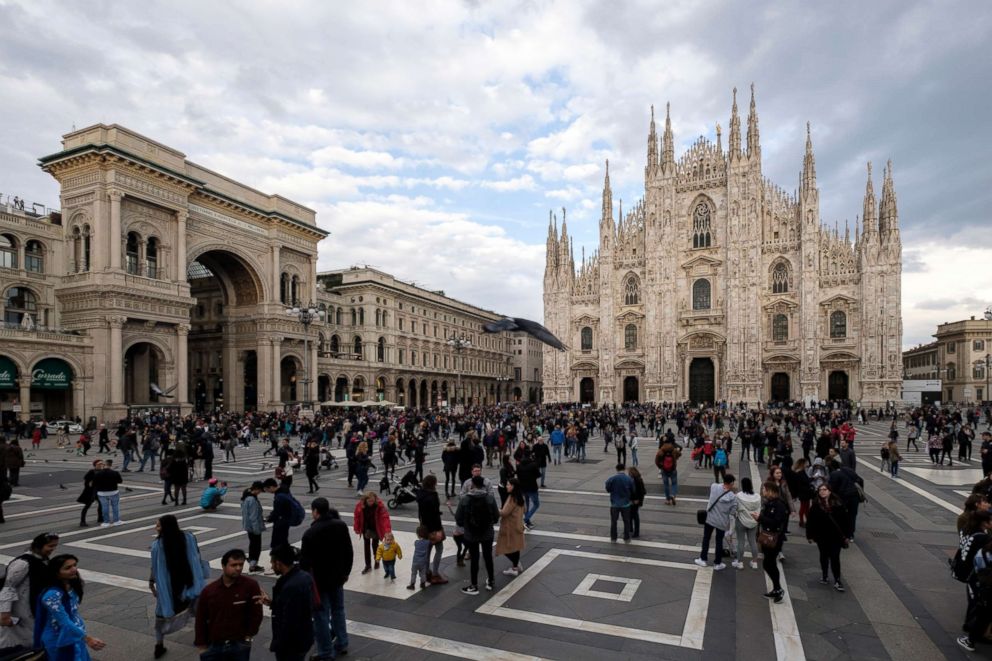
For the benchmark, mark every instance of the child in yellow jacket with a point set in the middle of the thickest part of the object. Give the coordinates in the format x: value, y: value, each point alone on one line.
x: 389, y: 552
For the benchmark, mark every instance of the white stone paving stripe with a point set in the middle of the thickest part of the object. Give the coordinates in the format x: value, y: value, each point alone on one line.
x: 374, y: 632
x: 598, y: 494
x: 785, y: 629
x: 915, y: 489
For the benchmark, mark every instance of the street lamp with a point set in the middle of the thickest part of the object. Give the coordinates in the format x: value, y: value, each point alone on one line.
x: 458, y: 343
x: 306, y: 315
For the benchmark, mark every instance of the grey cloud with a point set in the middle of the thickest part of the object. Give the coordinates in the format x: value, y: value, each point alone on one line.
x: 949, y: 303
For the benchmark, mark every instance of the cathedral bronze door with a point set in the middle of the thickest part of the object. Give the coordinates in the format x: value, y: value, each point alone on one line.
x: 780, y: 387
x: 702, y: 381
x: 837, y: 386
x: 631, y: 391
x: 587, y: 390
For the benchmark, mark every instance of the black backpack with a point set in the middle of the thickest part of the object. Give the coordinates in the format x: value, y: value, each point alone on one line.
x: 479, y: 516
x: 961, y: 569
x: 36, y: 571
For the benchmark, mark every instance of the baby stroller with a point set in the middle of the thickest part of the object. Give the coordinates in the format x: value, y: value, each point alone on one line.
x: 406, y: 492
x: 327, y: 460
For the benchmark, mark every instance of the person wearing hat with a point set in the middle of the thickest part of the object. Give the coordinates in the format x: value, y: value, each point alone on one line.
x: 213, y: 495
x: 253, y: 523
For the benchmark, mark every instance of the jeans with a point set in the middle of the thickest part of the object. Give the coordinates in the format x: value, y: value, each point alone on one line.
x: 671, y: 482
x: 633, y: 456
x: 621, y: 512
x: 544, y: 471
x: 236, y: 651
x: 533, y: 501
x: 707, y: 533
x: 556, y: 453
x: 436, y: 563
x: 635, y: 520
x: 894, y: 468
x: 389, y: 568
x: 108, y: 504
x: 329, y: 624
x: 149, y: 454
x: 128, y: 458
x: 580, y: 453
x: 749, y: 534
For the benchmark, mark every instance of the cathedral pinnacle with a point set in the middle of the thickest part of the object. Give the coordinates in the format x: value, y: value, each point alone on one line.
x: 668, y: 146
x: 809, y: 164
x: 652, y: 164
x: 869, y: 214
x: 735, y: 130
x: 753, y: 141
x: 888, y: 217
x: 607, y: 196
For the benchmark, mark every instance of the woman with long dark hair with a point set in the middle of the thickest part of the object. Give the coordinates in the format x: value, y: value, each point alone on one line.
x: 59, y: 628
x: 510, y: 539
x: 178, y: 576
x: 826, y: 526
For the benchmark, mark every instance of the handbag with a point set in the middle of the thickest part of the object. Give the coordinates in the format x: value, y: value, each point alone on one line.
x: 767, y: 539
x: 436, y: 536
x: 701, y: 514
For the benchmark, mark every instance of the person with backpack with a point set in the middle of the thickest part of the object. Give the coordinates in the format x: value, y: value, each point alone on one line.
x: 253, y: 523
x: 477, y: 512
x: 844, y: 483
x: 24, y: 580
x: 974, y: 538
x: 371, y: 523
x: 720, y: 462
x: 286, y: 512
x: 620, y: 443
x: 667, y: 462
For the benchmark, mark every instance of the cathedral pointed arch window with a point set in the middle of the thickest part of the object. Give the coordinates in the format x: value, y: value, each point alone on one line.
x: 586, y: 338
x: 630, y: 337
x: 780, y: 328
x: 631, y: 290
x: 780, y: 279
x: 701, y: 294
x: 838, y: 325
x: 701, y: 226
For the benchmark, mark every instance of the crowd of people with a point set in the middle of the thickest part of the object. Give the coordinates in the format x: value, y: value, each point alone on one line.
x: 806, y: 454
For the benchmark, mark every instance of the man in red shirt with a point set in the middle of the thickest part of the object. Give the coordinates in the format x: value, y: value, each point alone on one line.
x: 229, y: 613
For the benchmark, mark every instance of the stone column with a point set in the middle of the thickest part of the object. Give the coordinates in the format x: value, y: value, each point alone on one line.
x: 181, y: 216
x: 263, y: 379
x: 114, y: 244
x: 116, y: 358
x: 275, y: 372
x: 313, y: 371
x: 25, y: 395
x: 275, y: 277
x: 229, y: 368
x: 182, y: 367
x: 79, y: 399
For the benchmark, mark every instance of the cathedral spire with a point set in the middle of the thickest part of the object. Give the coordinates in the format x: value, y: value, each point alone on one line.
x: 652, y: 165
x: 888, y: 216
x: 870, y: 214
x: 719, y: 138
x: 753, y: 141
x: 668, y: 146
x: 735, y: 131
x: 607, y: 196
x: 809, y: 164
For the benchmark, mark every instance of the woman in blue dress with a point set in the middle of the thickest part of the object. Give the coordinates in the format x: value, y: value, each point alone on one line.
x: 58, y: 626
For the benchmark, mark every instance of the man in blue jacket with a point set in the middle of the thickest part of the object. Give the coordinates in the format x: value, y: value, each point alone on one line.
x: 621, y: 489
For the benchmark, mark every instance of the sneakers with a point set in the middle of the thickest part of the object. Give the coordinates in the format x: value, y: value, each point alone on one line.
x: 510, y: 572
x: 719, y: 567
x: 468, y: 589
x: 367, y: 570
x: 737, y: 565
x: 965, y: 642
x: 489, y: 585
x: 824, y: 581
x: 838, y: 586
x: 775, y: 595
x: 528, y: 525
x: 700, y: 562
x: 118, y: 523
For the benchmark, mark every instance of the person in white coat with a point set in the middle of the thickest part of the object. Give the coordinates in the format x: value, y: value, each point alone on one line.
x: 745, y: 525
x: 27, y: 575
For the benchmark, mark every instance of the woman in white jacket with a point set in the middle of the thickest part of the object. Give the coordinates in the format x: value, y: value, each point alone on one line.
x: 745, y: 525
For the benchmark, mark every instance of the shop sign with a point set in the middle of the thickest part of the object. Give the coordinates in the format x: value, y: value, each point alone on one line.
x: 51, y: 374
x: 8, y: 373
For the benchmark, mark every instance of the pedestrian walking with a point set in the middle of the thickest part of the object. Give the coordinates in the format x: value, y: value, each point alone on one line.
x: 636, y: 501
x: 326, y: 553
x: 15, y: 462
x: 528, y: 473
x: 667, y: 460
x: 286, y: 512
x: 717, y: 517
x: 388, y: 553
x: 421, y: 555
x: 449, y: 459
x: 253, y: 523
x: 620, y: 486
x: 106, y: 482
x: 178, y: 576
x: 748, y: 504
x: 59, y: 628
x: 292, y: 607
x: 429, y: 515
x: 771, y: 535
x: 510, y: 540
x: 88, y: 495
x: 476, y: 514
x: 27, y: 576
x: 179, y: 476
x: 371, y: 523
x: 229, y: 613
x: 826, y: 527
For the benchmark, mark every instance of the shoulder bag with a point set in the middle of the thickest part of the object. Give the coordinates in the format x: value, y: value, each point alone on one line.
x: 701, y: 514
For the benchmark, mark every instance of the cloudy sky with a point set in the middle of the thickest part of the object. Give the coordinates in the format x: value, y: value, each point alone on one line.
x: 433, y: 137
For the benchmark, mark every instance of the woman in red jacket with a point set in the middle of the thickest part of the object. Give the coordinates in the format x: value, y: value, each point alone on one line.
x: 371, y: 524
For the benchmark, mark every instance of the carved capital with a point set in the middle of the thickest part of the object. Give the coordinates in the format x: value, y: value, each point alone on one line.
x: 116, y: 322
x: 182, y: 215
x: 183, y: 329
x: 115, y: 195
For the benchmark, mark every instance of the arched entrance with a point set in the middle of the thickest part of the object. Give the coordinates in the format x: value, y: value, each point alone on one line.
x: 780, y: 387
x: 837, y: 385
x: 51, y: 380
x: 380, y: 389
x: 358, y: 389
x: 341, y: 389
x: 290, y: 375
x: 400, y: 392
x: 587, y: 390
x: 517, y: 394
x: 323, y: 387
x: 631, y: 389
x: 228, y: 292
x: 444, y: 394
x: 424, y: 402
x: 702, y: 381
x: 141, y: 369
x: 434, y: 392
x: 412, y: 394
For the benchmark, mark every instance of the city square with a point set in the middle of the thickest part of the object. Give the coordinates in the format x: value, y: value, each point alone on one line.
x: 294, y: 257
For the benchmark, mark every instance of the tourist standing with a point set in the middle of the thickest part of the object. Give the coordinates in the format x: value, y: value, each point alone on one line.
x: 15, y: 462
x: 636, y: 501
x: 326, y: 552
x: 620, y: 486
x: 106, y: 482
x: 229, y: 613
x: 88, y: 495
x: 510, y: 540
x: 826, y: 526
x: 721, y: 506
x: 60, y: 629
x: 528, y: 472
x: 177, y: 578
x: 292, y: 607
x: 253, y: 523
x: 771, y: 535
x: 371, y: 523
x: 27, y: 576
x: 429, y: 515
x: 745, y: 526
x: 476, y: 514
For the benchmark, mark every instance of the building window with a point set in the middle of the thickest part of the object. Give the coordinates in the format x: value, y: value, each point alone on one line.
x: 780, y: 279
x: 951, y: 372
x: 701, y: 226
x: 630, y: 337
x: 284, y: 288
x: 354, y: 317
x: 151, y: 258
x: 294, y: 294
x: 20, y: 302
x: 838, y: 324
x: 780, y: 328
x: 516, y: 373
x: 978, y: 370
x: 335, y: 345
x: 337, y: 316
x: 131, y: 253
x: 8, y: 252
x: 380, y: 351
x: 950, y: 347
x: 378, y: 318
x: 977, y: 345
x: 587, y: 339
x: 631, y: 291
x: 358, y: 347
x: 34, y: 257
x: 701, y: 294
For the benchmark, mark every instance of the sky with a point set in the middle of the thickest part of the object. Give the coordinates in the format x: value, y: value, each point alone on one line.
x: 433, y: 137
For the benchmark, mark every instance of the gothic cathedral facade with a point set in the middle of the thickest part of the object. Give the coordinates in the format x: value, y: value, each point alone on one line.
x: 720, y: 286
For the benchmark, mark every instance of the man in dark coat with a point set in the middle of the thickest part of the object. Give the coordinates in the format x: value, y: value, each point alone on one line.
x: 845, y: 482
x: 292, y: 604
x: 327, y: 554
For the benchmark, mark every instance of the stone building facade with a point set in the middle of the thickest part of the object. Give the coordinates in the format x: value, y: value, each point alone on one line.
x: 719, y: 285
x: 963, y: 356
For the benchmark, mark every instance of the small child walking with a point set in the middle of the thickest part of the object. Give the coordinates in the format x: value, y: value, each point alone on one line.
x: 421, y: 554
x: 388, y: 553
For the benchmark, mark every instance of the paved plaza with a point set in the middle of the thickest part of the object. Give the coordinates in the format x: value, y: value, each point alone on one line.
x: 580, y: 596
